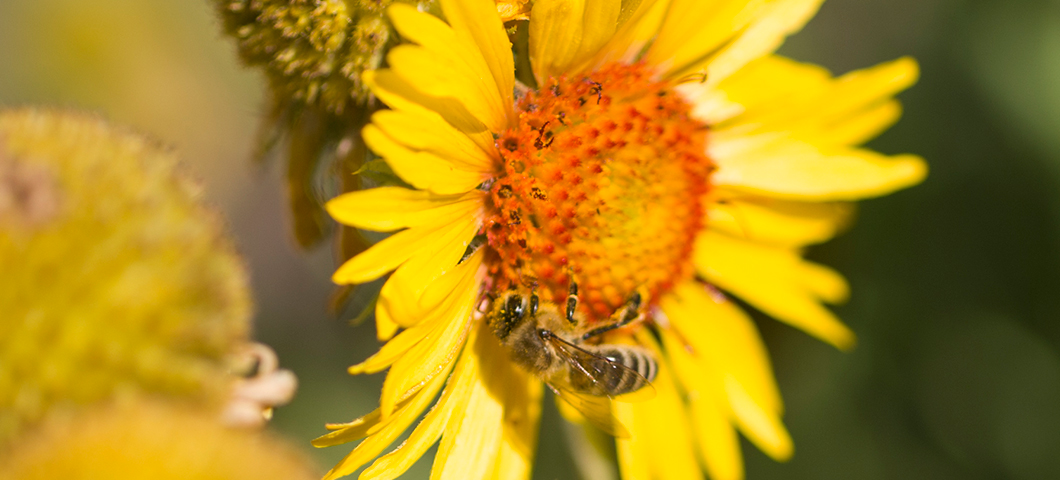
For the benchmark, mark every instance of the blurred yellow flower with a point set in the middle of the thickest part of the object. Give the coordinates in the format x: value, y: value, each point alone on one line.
x: 664, y: 149
x: 150, y: 440
x: 116, y: 279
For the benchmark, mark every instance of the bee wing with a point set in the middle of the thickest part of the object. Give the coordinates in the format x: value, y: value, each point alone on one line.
x: 597, y: 410
x: 592, y: 366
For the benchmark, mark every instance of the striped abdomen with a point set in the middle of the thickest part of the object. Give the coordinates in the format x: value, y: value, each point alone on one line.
x: 626, y: 369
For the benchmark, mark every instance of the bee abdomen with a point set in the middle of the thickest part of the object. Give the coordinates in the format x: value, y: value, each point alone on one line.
x: 636, y: 359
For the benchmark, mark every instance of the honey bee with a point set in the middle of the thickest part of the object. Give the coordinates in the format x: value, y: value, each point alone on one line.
x: 550, y: 343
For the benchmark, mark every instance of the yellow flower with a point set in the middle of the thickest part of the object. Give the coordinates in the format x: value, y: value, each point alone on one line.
x: 150, y: 439
x: 116, y: 279
x: 664, y: 150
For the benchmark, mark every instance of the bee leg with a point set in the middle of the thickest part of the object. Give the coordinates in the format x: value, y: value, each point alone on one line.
x: 572, y: 301
x: 534, y: 302
x: 622, y: 317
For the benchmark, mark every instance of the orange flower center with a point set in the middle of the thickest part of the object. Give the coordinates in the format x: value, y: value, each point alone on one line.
x: 604, y: 177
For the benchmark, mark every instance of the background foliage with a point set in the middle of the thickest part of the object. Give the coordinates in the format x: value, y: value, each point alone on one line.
x: 957, y: 372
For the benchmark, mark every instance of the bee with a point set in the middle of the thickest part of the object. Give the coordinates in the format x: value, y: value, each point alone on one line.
x: 550, y: 341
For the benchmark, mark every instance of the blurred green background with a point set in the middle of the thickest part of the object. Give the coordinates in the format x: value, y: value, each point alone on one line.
x: 957, y: 373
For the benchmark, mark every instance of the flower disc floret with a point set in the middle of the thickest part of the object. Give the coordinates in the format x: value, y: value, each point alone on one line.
x: 605, y: 177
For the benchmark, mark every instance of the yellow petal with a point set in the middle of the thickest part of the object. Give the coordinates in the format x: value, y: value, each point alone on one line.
x: 401, y: 95
x: 348, y: 432
x: 385, y: 327
x: 861, y: 127
x: 386, y: 209
x: 522, y: 411
x: 384, y: 433
x: 804, y: 100
x: 775, y: 281
x: 432, y: 324
x: 778, y: 222
x: 692, y: 29
x: 430, y: 133
x: 564, y: 33
x: 727, y: 356
x: 718, y: 443
x: 473, y: 436
x: 430, y: 357
x: 638, y: 25
x: 422, y: 170
x: 761, y: 31
x: 478, y: 23
x: 386, y: 255
x: 660, y: 436
x: 634, y: 457
x: 466, y: 75
x: 428, y: 250
x: 776, y: 166
x: 403, y: 294
x: 761, y: 427
x: 437, y: 77
x: 430, y: 429
x: 724, y: 338
x: 759, y: 86
x: 407, y: 307
x: 393, y: 349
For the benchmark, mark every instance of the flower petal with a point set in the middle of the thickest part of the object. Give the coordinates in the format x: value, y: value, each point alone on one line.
x: 778, y: 222
x: 522, y: 411
x: 473, y: 436
x: 728, y: 344
x: 783, y: 129
x: 781, y: 167
x: 386, y: 255
x: 725, y: 338
x: 761, y: 427
x: 692, y: 29
x: 428, y: 358
x: 430, y: 429
x: 385, y: 327
x: 660, y: 445
x: 768, y: 81
x: 477, y: 22
x: 386, y: 209
x: 778, y: 94
x: 428, y: 250
x: 404, y: 294
x: 401, y: 95
x: 434, y: 321
x: 423, y: 170
x: 422, y: 131
x: 737, y: 33
x: 383, y: 433
x: 718, y: 443
x: 448, y: 64
x: 564, y: 33
x: 638, y: 24
x: 776, y: 281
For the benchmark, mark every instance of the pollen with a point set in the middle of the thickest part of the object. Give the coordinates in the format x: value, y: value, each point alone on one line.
x: 603, y: 179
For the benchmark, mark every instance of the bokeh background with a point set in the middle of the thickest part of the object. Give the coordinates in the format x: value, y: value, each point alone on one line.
x: 956, y: 281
